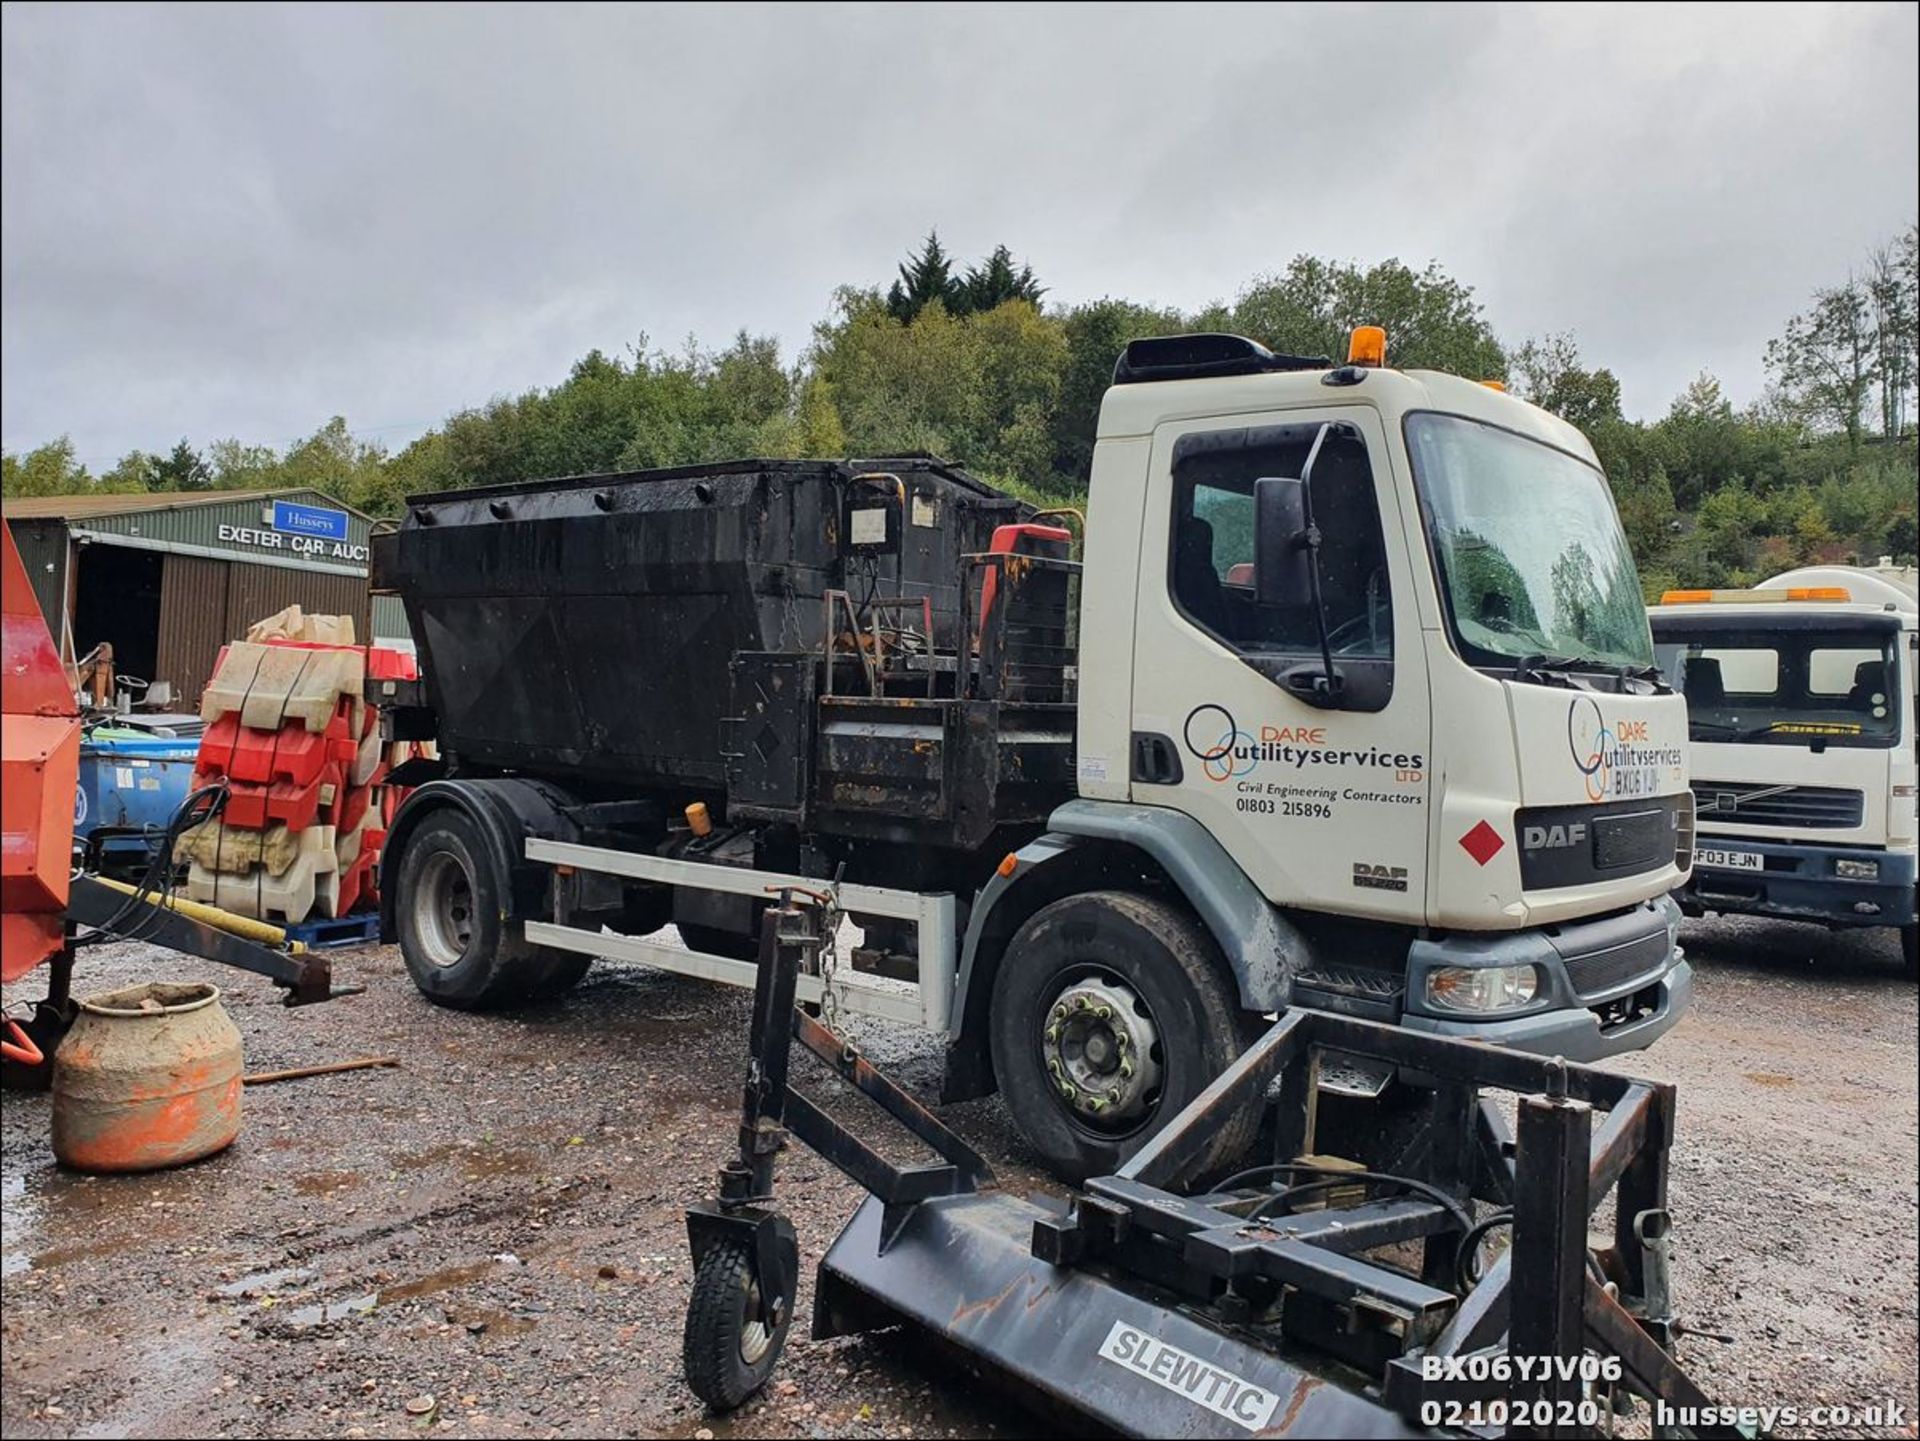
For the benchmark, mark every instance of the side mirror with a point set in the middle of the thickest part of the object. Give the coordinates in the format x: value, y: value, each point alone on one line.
x: 1282, y: 563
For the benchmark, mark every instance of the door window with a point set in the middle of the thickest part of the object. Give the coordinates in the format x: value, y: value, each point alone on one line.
x: 1211, y: 567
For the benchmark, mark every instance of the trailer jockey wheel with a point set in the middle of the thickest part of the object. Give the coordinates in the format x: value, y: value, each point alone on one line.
x: 737, y: 1320
x: 1111, y: 1011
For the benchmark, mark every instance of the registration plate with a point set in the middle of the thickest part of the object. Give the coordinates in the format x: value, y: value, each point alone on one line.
x: 1728, y: 860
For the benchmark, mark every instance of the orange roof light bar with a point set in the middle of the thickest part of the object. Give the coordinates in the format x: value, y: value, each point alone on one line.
x: 1794, y: 593
x: 1367, y: 346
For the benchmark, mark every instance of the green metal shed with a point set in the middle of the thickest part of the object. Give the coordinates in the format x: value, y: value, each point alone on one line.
x: 167, y: 579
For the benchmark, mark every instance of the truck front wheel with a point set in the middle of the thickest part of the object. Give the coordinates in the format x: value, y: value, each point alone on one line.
x: 1110, y: 1013
x: 459, y: 949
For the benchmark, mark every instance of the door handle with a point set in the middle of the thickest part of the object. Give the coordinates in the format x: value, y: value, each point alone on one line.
x: 1309, y: 683
x: 1155, y: 761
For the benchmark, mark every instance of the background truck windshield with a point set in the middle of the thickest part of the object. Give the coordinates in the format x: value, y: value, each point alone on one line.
x: 1783, y: 688
x: 1529, y: 549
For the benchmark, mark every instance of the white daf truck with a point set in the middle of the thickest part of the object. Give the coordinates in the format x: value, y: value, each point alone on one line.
x: 1362, y: 714
x: 1801, y: 704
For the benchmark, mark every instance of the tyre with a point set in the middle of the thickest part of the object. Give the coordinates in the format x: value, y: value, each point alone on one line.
x: 1110, y: 1013
x: 458, y: 948
x: 735, y: 1328
x: 1910, y: 947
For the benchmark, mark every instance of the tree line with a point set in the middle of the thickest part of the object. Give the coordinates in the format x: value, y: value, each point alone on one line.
x: 972, y: 365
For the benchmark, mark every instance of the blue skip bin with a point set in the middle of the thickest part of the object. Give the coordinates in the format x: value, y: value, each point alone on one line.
x: 131, y: 778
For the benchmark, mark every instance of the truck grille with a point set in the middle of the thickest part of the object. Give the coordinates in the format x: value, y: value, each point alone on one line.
x: 1601, y: 972
x: 1721, y: 802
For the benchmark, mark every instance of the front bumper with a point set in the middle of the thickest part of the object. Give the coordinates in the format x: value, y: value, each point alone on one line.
x: 1798, y: 881
x: 1607, y: 986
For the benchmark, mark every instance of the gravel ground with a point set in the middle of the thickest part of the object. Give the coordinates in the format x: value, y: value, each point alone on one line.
x: 497, y: 1224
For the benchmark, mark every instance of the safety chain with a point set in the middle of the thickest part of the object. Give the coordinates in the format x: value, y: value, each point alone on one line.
x: 829, y: 955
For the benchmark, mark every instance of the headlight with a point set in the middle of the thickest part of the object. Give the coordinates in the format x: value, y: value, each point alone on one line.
x: 1481, y: 988
x: 1857, y: 870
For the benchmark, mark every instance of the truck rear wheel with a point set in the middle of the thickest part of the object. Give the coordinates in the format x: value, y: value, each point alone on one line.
x: 458, y: 948
x: 1110, y: 1013
x: 1910, y: 948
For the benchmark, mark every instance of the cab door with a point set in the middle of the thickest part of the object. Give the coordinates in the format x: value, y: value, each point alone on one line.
x: 1320, y: 806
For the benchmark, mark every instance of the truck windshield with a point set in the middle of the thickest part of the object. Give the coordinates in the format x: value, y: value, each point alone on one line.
x: 1783, y: 687
x: 1529, y: 549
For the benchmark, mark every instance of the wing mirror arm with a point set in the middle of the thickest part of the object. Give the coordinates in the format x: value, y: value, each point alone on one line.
x: 1287, y: 555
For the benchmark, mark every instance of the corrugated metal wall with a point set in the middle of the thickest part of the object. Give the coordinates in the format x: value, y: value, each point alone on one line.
x: 43, y: 551
x: 193, y: 624
x: 389, y: 618
x: 206, y: 603
x: 255, y: 592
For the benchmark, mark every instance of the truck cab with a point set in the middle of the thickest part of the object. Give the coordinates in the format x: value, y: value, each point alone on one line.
x: 1347, y: 701
x: 1801, y: 705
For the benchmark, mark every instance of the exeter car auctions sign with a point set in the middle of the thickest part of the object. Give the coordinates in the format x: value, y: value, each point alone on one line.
x: 303, y: 530
x: 319, y: 547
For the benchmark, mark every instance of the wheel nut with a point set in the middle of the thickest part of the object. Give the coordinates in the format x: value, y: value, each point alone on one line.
x: 1053, y: 1035
x: 1120, y: 1040
x: 1126, y: 1070
x: 1105, y: 1013
x: 1053, y: 1064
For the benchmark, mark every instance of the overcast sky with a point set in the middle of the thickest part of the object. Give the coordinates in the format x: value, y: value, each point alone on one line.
x: 236, y: 221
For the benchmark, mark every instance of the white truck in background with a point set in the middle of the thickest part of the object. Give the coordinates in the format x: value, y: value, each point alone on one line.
x: 1801, y: 696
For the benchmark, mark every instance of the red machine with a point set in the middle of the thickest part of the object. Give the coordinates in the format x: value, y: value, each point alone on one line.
x: 39, y: 768
x: 44, y: 899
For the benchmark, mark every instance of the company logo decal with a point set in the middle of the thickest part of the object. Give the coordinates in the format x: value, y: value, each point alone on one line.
x: 1227, y: 753
x: 1616, y: 760
x: 1231, y: 1397
x: 1374, y: 877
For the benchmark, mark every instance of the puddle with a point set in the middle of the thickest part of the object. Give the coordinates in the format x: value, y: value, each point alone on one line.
x: 493, y: 1323
x: 320, y: 1183
x: 431, y: 1284
x: 333, y: 1311
x: 263, y: 1281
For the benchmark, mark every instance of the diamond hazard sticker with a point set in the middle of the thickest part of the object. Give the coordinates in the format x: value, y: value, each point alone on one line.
x: 1483, y: 843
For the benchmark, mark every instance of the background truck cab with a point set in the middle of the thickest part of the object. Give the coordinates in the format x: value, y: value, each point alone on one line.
x: 1801, y: 715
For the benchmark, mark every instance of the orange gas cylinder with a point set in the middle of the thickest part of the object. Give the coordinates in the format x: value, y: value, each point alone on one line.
x: 148, y: 1077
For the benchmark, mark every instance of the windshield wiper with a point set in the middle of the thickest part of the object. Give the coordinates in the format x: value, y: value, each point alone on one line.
x: 1545, y: 669
x: 1733, y: 730
x: 1651, y: 674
